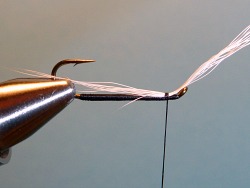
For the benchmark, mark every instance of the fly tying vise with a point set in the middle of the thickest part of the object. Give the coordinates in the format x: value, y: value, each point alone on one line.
x: 26, y: 104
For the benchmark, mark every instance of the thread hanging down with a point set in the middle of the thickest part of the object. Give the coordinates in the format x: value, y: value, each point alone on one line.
x: 164, y: 146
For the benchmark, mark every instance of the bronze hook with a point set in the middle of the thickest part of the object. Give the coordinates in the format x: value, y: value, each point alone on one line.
x: 69, y: 61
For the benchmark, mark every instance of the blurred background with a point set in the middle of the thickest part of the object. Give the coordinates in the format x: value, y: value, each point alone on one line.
x: 152, y: 45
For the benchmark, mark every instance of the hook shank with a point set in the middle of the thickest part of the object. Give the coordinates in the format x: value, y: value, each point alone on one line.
x: 124, y: 97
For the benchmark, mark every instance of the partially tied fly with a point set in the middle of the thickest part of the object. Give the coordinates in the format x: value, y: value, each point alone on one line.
x: 241, y: 41
x: 29, y: 103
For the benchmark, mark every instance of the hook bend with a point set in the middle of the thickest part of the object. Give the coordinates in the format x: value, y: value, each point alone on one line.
x: 69, y: 61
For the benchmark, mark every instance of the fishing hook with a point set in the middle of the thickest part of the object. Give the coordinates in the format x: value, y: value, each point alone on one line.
x: 29, y: 103
x: 69, y: 61
x: 112, y: 97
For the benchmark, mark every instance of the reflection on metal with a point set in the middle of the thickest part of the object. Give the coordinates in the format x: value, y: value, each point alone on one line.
x: 27, y: 104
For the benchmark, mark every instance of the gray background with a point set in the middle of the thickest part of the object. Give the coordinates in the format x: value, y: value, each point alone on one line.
x: 146, y: 44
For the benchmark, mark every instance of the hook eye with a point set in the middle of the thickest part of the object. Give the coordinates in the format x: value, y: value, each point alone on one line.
x: 182, y: 92
x: 69, y: 61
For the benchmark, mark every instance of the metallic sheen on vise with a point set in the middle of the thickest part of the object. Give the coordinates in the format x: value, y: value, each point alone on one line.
x: 26, y: 105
